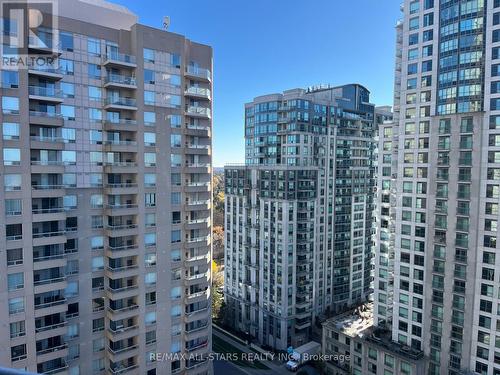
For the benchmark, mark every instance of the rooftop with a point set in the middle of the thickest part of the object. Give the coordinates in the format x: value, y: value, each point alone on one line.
x: 354, y: 322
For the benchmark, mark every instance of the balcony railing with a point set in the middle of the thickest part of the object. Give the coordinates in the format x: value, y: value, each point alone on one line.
x: 198, y: 91
x: 201, y: 111
x: 121, y: 185
x: 121, y: 122
x: 49, y: 234
x: 122, y: 350
x: 198, y: 72
x: 45, y: 91
x: 121, y: 226
x: 45, y: 114
x: 122, y: 369
x: 120, y: 57
x: 125, y: 102
x: 51, y: 350
x: 49, y: 281
x: 120, y: 79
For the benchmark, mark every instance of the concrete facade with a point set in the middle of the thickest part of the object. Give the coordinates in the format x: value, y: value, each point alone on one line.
x: 436, y: 269
x: 298, y: 218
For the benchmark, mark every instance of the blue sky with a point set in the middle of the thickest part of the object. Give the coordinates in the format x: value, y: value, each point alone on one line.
x: 267, y: 46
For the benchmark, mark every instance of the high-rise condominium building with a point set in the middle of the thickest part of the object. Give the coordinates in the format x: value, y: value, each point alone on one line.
x: 437, y: 266
x: 298, y: 218
x: 105, y: 209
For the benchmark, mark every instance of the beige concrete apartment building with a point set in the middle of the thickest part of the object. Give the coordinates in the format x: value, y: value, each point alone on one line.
x: 105, y: 213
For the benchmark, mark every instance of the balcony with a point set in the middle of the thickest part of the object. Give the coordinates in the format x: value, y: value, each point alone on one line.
x: 201, y: 112
x: 121, y: 103
x: 120, y: 124
x: 47, y: 142
x: 123, y: 350
x: 121, y: 81
x: 122, y: 369
x: 119, y: 59
x: 52, y: 349
x: 123, y: 292
x: 198, y: 92
x: 47, y: 72
x: 198, y: 239
x: 46, y: 118
x: 50, y: 327
x: 198, y: 73
x: 123, y: 309
x: 56, y: 302
x: 129, y: 104
x: 48, y: 94
x: 49, y: 234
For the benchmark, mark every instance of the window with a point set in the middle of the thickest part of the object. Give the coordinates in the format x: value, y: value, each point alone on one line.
x: 175, y: 140
x: 68, y: 157
x: 150, y: 318
x: 10, y: 131
x: 95, y: 137
x: 150, y: 219
x: 71, y: 289
x: 10, y: 79
x: 175, y: 101
x: 413, y: 24
x: 175, y: 121
x: 10, y: 105
x: 175, y: 311
x: 150, y: 199
x: 13, y: 207
x: 149, y: 55
x: 94, y: 71
x: 149, y: 118
x: 149, y: 179
x: 175, y: 198
x: 149, y: 77
x: 16, y: 305
x: 175, y: 60
x: 66, y: 40
x: 149, y: 139
x: 97, y: 263
x: 175, y: 160
x: 150, y: 278
x: 175, y: 80
x: 14, y: 257
x: 97, y: 243
x: 68, y: 89
x: 175, y: 236
x: 413, y: 68
x: 68, y: 135
x: 17, y: 329
x: 18, y: 352
x: 150, y: 239
x: 11, y: 156
x: 149, y: 159
x: 96, y: 201
x: 149, y: 97
x: 95, y: 93
x: 68, y: 112
x: 94, y: 47
x: 12, y: 182
x: 67, y: 67
x: 15, y: 281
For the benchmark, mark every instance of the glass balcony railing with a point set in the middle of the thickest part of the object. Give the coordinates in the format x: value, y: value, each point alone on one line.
x: 125, y: 102
x: 120, y: 57
x: 198, y: 72
x: 120, y: 79
x: 45, y: 91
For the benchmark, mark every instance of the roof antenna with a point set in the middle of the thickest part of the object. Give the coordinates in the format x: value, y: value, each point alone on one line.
x: 166, y: 22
